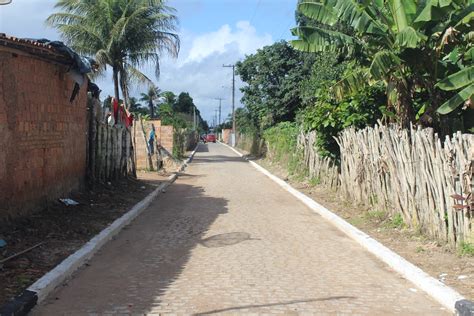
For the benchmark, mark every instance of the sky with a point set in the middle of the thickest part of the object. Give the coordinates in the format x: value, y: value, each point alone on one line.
x: 212, y: 33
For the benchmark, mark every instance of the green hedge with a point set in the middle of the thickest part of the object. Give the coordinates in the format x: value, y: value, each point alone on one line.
x: 282, y: 147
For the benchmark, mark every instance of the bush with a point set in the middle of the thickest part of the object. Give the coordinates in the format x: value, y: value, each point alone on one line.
x: 179, y: 141
x: 282, y: 146
x: 328, y: 117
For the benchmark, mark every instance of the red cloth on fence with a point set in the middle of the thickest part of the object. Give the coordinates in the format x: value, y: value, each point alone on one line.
x: 129, y: 121
x: 115, y: 105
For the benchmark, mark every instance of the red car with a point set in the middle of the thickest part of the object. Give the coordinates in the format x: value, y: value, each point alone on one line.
x: 211, y: 138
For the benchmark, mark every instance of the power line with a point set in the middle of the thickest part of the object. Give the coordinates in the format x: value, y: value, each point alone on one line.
x: 254, y: 12
x: 220, y: 103
x: 233, y: 101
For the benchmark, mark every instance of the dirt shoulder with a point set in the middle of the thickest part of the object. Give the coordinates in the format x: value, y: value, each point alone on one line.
x: 436, y: 259
x: 64, y: 229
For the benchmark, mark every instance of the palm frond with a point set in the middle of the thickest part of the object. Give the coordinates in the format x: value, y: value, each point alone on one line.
x: 383, y: 64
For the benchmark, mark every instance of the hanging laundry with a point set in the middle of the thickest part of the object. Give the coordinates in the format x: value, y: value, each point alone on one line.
x: 129, y: 120
x: 115, y: 106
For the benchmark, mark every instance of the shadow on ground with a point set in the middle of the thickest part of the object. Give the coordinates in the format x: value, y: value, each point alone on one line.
x: 217, y: 159
x: 133, y: 271
x: 237, y: 308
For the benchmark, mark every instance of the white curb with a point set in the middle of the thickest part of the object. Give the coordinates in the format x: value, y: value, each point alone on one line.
x: 46, y: 284
x: 442, y: 293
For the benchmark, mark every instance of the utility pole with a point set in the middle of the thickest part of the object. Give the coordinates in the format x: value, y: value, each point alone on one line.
x: 220, y: 102
x: 194, y: 117
x: 233, y: 103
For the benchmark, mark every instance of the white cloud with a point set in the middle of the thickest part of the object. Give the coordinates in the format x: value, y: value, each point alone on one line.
x: 199, y: 69
x: 244, y: 38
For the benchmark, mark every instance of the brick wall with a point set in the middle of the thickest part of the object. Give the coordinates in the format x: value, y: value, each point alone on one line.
x: 226, y: 135
x: 42, y: 134
x: 164, y: 136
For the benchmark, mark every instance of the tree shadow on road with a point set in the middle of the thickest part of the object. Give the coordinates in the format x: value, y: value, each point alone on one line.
x: 131, y: 272
x: 256, y: 306
x: 216, y: 159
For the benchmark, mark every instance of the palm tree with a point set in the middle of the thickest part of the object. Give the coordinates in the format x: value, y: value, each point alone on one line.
x: 400, y: 43
x: 150, y: 97
x: 169, y: 97
x: 121, y: 34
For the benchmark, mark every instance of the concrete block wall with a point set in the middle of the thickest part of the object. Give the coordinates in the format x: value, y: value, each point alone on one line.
x: 42, y: 135
x: 226, y: 135
x: 164, y: 137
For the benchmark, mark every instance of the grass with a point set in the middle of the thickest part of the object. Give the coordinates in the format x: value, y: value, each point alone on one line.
x: 314, y: 181
x: 356, y: 221
x: 374, y: 215
x: 396, y: 222
x: 419, y: 249
x: 466, y: 249
x: 23, y: 280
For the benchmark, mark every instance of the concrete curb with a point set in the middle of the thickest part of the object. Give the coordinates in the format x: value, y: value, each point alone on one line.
x: 39, y: 290
x: 442, y: 293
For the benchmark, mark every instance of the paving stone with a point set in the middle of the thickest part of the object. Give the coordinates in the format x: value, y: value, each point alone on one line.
x: 225, y: 239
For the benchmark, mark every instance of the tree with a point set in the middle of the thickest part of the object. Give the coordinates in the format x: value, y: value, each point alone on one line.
x: 169, y: 97
x: 184, y: 104
x: 122, y: 34
x: 273, y: 76
x: 166, y: 114
x: 150, y: 98
x: 136, y: 107
x: 397, y: 42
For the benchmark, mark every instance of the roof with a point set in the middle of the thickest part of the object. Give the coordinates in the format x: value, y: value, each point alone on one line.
x: 35, y: 48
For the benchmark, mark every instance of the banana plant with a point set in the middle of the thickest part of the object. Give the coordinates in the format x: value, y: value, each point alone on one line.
x: 397, y: 42
x: 457, y: 44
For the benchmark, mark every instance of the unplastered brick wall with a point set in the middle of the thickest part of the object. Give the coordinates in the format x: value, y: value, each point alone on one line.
x: 226, y: 135
x: 42, y: 135
x: 164, y: 137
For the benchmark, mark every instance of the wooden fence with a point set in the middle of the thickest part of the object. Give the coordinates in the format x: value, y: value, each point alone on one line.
x: 323, y: 170
x: 412, y: 173
x: 110, y: 154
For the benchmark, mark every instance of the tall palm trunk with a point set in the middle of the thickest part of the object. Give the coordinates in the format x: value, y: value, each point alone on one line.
x: 124, y: 87
x: 152, y: 110
x: 116, y: 83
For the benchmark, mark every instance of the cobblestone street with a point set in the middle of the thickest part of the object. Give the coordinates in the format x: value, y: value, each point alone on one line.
x: 225, y: 239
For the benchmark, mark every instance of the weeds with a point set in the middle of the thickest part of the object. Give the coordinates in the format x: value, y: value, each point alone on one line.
x: 419, y: 249
x: 378, y: 216
x: 314, y: 181
x: 396, y: 222
x: 466, y: 249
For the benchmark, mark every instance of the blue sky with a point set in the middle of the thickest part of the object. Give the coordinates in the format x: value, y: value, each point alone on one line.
x: 212, y: 32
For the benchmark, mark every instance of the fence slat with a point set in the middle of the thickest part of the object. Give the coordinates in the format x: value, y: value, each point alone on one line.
x: 408, y: 172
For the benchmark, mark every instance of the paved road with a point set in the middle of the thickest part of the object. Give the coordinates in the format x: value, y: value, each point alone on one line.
x: 226, y: 239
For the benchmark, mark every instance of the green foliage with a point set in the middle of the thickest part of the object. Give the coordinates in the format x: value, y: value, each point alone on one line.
x: 246, y: 123
x: 184, y: 104
x: 136, y: 108
x: 281, y: 141
x: 150, y: 98
x: 179, y: 139
x: 122, y: 34
x: 273, y: 77
x: 314, y: 181
x: 377, y: 216
x: 328, y: 117
x: 396, y: 221
x: 466, y: 249
x: 326, y: 70
x: 407, y: 45
x: 166, y: 114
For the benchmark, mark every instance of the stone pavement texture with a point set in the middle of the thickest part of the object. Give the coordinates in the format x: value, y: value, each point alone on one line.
x: 225, y: 239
